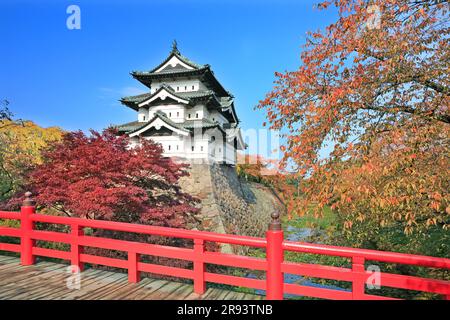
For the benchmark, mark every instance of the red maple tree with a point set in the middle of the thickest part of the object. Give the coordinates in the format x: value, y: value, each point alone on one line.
x: 101, y: 177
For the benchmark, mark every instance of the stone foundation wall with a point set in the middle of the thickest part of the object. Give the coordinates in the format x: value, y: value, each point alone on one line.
x: 199, y: 184
x: 228, y: 204
x: 237, y: 214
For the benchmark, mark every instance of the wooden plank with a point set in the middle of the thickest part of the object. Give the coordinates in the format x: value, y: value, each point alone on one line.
x: 99, y: 288
x: 151, y: 288
x: 31, y: 286
x: 193, y: 296
x: 92, y: 281
x: 237, y: 296
x: 180, y: 293
x: 165, y: 291
x: 34, y: 279
x: 114, y: 281
x: 116, y: 287
x: 61, y: 290
x: 249, y: 296
x: 211, y: 294
x: 43, y: 292
x: 7, y: 272
x: 223, y: 294
x: 16, y: 280
x: 123, y: 291
x: 11, y: 266
x: 9, y: 259
x: 47, y: 280
x: 134, y: 292
x: 7, y: 275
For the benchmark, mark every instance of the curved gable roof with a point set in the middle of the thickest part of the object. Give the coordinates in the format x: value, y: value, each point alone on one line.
x: 158, y: 93
x: 173, y: 126
x: 181, y: 69
x: 190, y: 97
x: 175, y: 53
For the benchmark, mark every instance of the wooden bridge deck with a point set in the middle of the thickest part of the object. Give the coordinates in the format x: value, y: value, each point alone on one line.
x: 47, y: 281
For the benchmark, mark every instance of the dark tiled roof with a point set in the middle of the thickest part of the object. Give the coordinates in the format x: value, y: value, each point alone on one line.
x: 187, y: 125
x: 175, y: 53
x: 128, y: 126
x: 162, y: 116
x: 203, y: 71
x: 189, y: 61
x: 169, y: 71
x: 226, y: 101
x: 203, y: 123
x: 135, y: 100
x: 138, y: 98
x: 195, y: 94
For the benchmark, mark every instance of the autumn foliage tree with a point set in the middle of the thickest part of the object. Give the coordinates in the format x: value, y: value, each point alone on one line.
x: 101, y: 177
x: 21, y: 143
x: 373, y: 88
x: 251, y: 167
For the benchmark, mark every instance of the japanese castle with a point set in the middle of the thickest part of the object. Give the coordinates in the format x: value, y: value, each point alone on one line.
x: 186, y: 110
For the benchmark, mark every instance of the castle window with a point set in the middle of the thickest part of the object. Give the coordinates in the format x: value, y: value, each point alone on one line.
x: 201, y: 148
x: 185, y: 88
x: 189, y: 115
x: 192, y: 148
x: 196, y: 115
x: 177, y: 147
x: 169, y: 147
x: 170, y: 114
x: 144, y: 118
x: 178, y: 88
x: 193, y: 87
x: 178, y: 114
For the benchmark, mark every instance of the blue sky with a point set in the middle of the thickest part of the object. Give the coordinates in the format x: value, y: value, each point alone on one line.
x: 74, y: 78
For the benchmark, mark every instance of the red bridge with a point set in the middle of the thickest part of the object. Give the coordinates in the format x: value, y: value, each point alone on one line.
x: 273, y: 265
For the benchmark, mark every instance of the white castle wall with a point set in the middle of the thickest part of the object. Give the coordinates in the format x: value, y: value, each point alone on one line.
x: 180, y: 85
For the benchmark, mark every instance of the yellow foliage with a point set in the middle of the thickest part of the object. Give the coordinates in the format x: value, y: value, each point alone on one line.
x: 26, y: 140
x: 21, y: 144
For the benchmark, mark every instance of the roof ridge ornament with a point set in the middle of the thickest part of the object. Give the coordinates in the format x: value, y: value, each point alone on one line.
x: 175, y: 47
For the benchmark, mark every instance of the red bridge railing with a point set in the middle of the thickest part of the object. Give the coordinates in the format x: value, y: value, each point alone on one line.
x: 274, y: 264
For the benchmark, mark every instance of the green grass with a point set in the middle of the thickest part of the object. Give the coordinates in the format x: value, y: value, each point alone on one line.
x: 325, y: 221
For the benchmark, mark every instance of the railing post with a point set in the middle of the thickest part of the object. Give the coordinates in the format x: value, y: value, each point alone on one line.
x: 134, y: 276
x: 75, y: 249
x: 199, y: 267
x: 275, y: 257
x: 26, y: 225
x: 359, y: 280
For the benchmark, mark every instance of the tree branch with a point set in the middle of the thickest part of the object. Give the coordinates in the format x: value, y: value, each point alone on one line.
x: 424, y: 115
